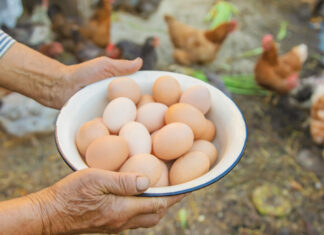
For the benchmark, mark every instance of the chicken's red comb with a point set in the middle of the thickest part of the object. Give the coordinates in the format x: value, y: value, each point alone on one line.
x: 267, y: 38
x: 157, y: 42
x: 293, y: 77
x: 110, y: 47
x: 58, y: 45
x: 292, y: 81
x: 234, y: 25
x: 267, y: 42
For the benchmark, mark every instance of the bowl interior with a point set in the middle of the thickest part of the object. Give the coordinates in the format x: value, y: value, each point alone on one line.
x: 91, y: 101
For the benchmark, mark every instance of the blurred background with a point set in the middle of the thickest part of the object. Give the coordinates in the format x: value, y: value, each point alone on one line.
x: 277, y: 188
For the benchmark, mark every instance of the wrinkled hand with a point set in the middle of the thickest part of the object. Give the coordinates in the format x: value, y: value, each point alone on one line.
x: 78, y: 76
x: 94, y: 200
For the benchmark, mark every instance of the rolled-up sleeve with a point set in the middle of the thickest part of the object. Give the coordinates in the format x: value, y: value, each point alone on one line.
x: 5, y: 42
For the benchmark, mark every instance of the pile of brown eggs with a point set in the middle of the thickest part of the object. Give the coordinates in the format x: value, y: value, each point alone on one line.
x: 165, y: 136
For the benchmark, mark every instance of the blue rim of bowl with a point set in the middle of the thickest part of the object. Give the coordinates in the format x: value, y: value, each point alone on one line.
x: 228, y: 170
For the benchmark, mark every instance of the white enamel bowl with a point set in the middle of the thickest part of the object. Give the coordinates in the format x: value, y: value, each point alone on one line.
x: 90, y: 102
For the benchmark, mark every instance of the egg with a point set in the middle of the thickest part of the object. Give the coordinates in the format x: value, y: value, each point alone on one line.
x: 166, y: 90
x: 138, y: 138
x: 187, y: 114
x: 154, y: 134
x: 198, y: 96
x: 209, y: 132
x: 145, y: 164
x: 145, y: 99
x: 151, y: 115
x: 164, y: 178
x: 205, y: 147
x: 107, y: 152
x: 172, y: 141
x: 124, y: 87
x: 188, y: 167
x: 118, y: 112
x: 100, y: 119
x: 88, y: 132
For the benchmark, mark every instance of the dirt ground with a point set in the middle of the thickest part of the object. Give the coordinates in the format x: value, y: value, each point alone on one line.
x: 280, y: 158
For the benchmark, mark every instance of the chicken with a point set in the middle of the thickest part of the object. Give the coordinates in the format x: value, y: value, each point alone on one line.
x: 142, y: 7
x: 61, y: 26
x: 53, y: 49
x: 85, y: 49
x: 30, y: 5
x: 308, y: 87
x: 203, y: 75
x: 217, y: 82
x: 317, y: 116
x: 129, y: 50
x: 98, y: 28
x: 279, y: 73
x: 196, y: 46
x: 315, y: 8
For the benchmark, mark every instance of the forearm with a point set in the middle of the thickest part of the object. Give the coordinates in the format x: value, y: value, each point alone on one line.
x: 33, y: 214
x: 30, y: 73
x: 20, y: 216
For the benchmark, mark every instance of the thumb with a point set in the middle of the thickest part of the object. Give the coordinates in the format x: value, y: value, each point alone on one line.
x: 123, y: 184
x: 124, y: 67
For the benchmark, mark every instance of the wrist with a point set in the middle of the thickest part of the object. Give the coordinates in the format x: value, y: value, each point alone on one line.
x: 32, y: 74
x: 48, y: 211
x: 53, y: 84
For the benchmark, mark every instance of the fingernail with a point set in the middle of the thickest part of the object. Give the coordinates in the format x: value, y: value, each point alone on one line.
x: 137, y: 59
x: 142, y: 183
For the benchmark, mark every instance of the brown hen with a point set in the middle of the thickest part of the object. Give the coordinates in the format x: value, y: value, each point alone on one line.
x: 317, y: 116
x: 196, y: 46
x: 62, y: 26
x: 279, y: 73
x: 98, y: 28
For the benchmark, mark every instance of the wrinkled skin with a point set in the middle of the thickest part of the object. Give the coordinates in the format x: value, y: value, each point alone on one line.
x: 86, y: 201
x: 52, y: 83
x: 94, y: 200
x: 78, y: 76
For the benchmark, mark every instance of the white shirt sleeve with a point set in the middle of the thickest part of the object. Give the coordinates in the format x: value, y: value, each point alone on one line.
x: 5, y: 42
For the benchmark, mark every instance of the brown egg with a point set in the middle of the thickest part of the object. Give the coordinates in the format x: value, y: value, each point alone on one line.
x: 145, y: 99
x: 107, y: 152
x: 124, y: 87
x: 198, y: 96
x: 88, y: 132
x: 152, y: 116
x: 145, y: 164
x: 100, y: 119
x: 209, y: 132
x: 172, y: 141
x: 187, y: 114
x: 205, y: 147
x: 166, y: 90
x: 164, y: 178
x: 153, y: 135
x: 188, y: 167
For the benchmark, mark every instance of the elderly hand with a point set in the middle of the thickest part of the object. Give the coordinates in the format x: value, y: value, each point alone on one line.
x: 90, y: 200
x: 51, y: 83
x: 77, y: 76
x: 94, y: 200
